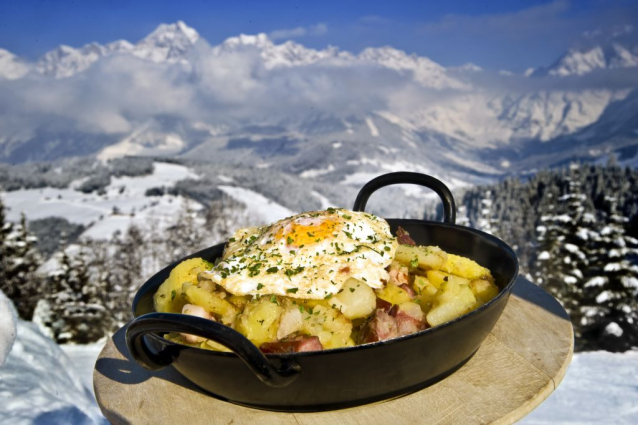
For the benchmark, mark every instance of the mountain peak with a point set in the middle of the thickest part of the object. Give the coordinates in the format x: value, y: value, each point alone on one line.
x: 167, y: 42
x: 617, y: 48
x: 170, y: 33
x: 11, y: 67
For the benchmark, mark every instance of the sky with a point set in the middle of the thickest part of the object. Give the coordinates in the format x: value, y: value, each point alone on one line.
x: 494, y: 34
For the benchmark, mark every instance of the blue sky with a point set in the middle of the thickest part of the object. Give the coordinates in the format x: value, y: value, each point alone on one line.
x: 496, y: 34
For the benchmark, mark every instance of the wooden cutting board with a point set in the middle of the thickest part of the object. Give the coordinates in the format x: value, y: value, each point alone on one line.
x: 517, y: 367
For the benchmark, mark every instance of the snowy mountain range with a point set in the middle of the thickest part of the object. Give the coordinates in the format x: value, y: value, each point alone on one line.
x: 326, y: 114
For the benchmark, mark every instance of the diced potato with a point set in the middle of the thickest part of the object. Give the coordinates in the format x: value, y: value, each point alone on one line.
x: 437, y: 278
x: 452, y: 301
x: 483, y: 290
x: 393, y: 294
x: 355, y: 300
x: 465, y: 267
x: 290, y: 321
x: 329, y: 325
x: 239, y: 301
x: 211, y: 302
x: 423, y: 257
x: 426, y: 293
x: 215, y: 346
x: 167, y: 299
x: 260, y: 320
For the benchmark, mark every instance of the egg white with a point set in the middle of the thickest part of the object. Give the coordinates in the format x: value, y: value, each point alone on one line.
x: 307, y: 256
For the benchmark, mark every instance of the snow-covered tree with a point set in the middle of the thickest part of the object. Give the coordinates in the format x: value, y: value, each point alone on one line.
x: 20, y: 260
x: 564, y: 234
x: 609, y: 304
x: 74, y: 307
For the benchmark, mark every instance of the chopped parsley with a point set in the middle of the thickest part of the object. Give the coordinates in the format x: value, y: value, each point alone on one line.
x: 292, y: 290
x: 259, y: 286
x: 272, y: 270
x: 173, y: 294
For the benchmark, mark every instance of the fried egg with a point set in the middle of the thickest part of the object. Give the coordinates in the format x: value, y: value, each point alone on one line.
x: 309, y: 256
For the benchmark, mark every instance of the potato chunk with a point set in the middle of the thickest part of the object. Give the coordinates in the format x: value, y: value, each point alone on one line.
x: 260, y: 320
x: 437, y: 278
x: 453, y: 300
x: 423, y: 257
x: 211, y: 302
x: 426, y: 293
x: 483, y: 290
x: 465, y: 267
x: 329, y: 325
x: 355, y: 300
x: 167, y: 299
x: 393, y: 294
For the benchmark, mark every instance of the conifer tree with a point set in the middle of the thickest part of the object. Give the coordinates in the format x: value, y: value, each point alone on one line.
x: 609, y: 305
x: 564, y: 238
x: 6, y: 229
x: 20, y: 260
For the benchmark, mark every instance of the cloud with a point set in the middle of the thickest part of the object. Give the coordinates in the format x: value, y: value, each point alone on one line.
x: 121, y: 93
x: 313, y: 30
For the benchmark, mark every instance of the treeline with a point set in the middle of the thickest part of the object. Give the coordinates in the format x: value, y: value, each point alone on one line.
x: 85, y: 290
x: 575, y: 231
x: 60, y: 174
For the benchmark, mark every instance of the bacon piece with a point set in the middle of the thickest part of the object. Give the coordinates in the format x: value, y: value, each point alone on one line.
x: 383, y: 305
x: 398, y: 274
x: 404, y: 238
x: 408, y: 289
x: 409, y: 318
x: 297, y: 344
x: 379, y: 327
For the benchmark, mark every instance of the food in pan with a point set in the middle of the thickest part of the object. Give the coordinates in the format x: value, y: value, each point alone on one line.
x: 321, y: 280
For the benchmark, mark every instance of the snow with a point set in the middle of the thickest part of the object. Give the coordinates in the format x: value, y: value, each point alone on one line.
x: 596, y: 281
x: 629, y: 282
x: 325, y: 202
x: 612, y: 267
x: 8, y: 329
x: 126, y: 194
x: 599, y: 388
x: 614, y: 329
x: 603, y: 296
x: 312, y: 173
x: 268, y: 210
x: 83, y: 360
x: 570, y: 280
x: 39, y: 384
x: 374, y: 132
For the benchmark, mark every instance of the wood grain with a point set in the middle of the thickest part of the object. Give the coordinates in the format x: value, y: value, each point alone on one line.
x: 517, y: 367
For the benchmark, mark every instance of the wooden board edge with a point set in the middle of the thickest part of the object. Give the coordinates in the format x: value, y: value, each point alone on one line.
x: 531, y: 404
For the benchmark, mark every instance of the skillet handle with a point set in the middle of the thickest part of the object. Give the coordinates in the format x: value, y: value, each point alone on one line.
x: 239, y: 344
x: 403, y: 177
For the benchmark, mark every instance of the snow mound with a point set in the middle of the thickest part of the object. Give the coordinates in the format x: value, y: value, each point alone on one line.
x: 38, y: 384
x: 8, y: 329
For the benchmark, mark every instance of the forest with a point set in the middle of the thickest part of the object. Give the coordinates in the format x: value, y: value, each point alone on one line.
x: 575, y: 231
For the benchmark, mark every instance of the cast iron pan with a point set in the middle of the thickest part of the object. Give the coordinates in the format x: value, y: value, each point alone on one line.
x: 337, y: 378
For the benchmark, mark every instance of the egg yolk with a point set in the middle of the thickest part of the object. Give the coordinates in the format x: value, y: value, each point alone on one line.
x: 307, y: 232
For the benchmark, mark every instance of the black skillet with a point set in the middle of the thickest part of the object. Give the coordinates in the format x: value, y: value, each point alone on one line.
x: 338, y: 378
